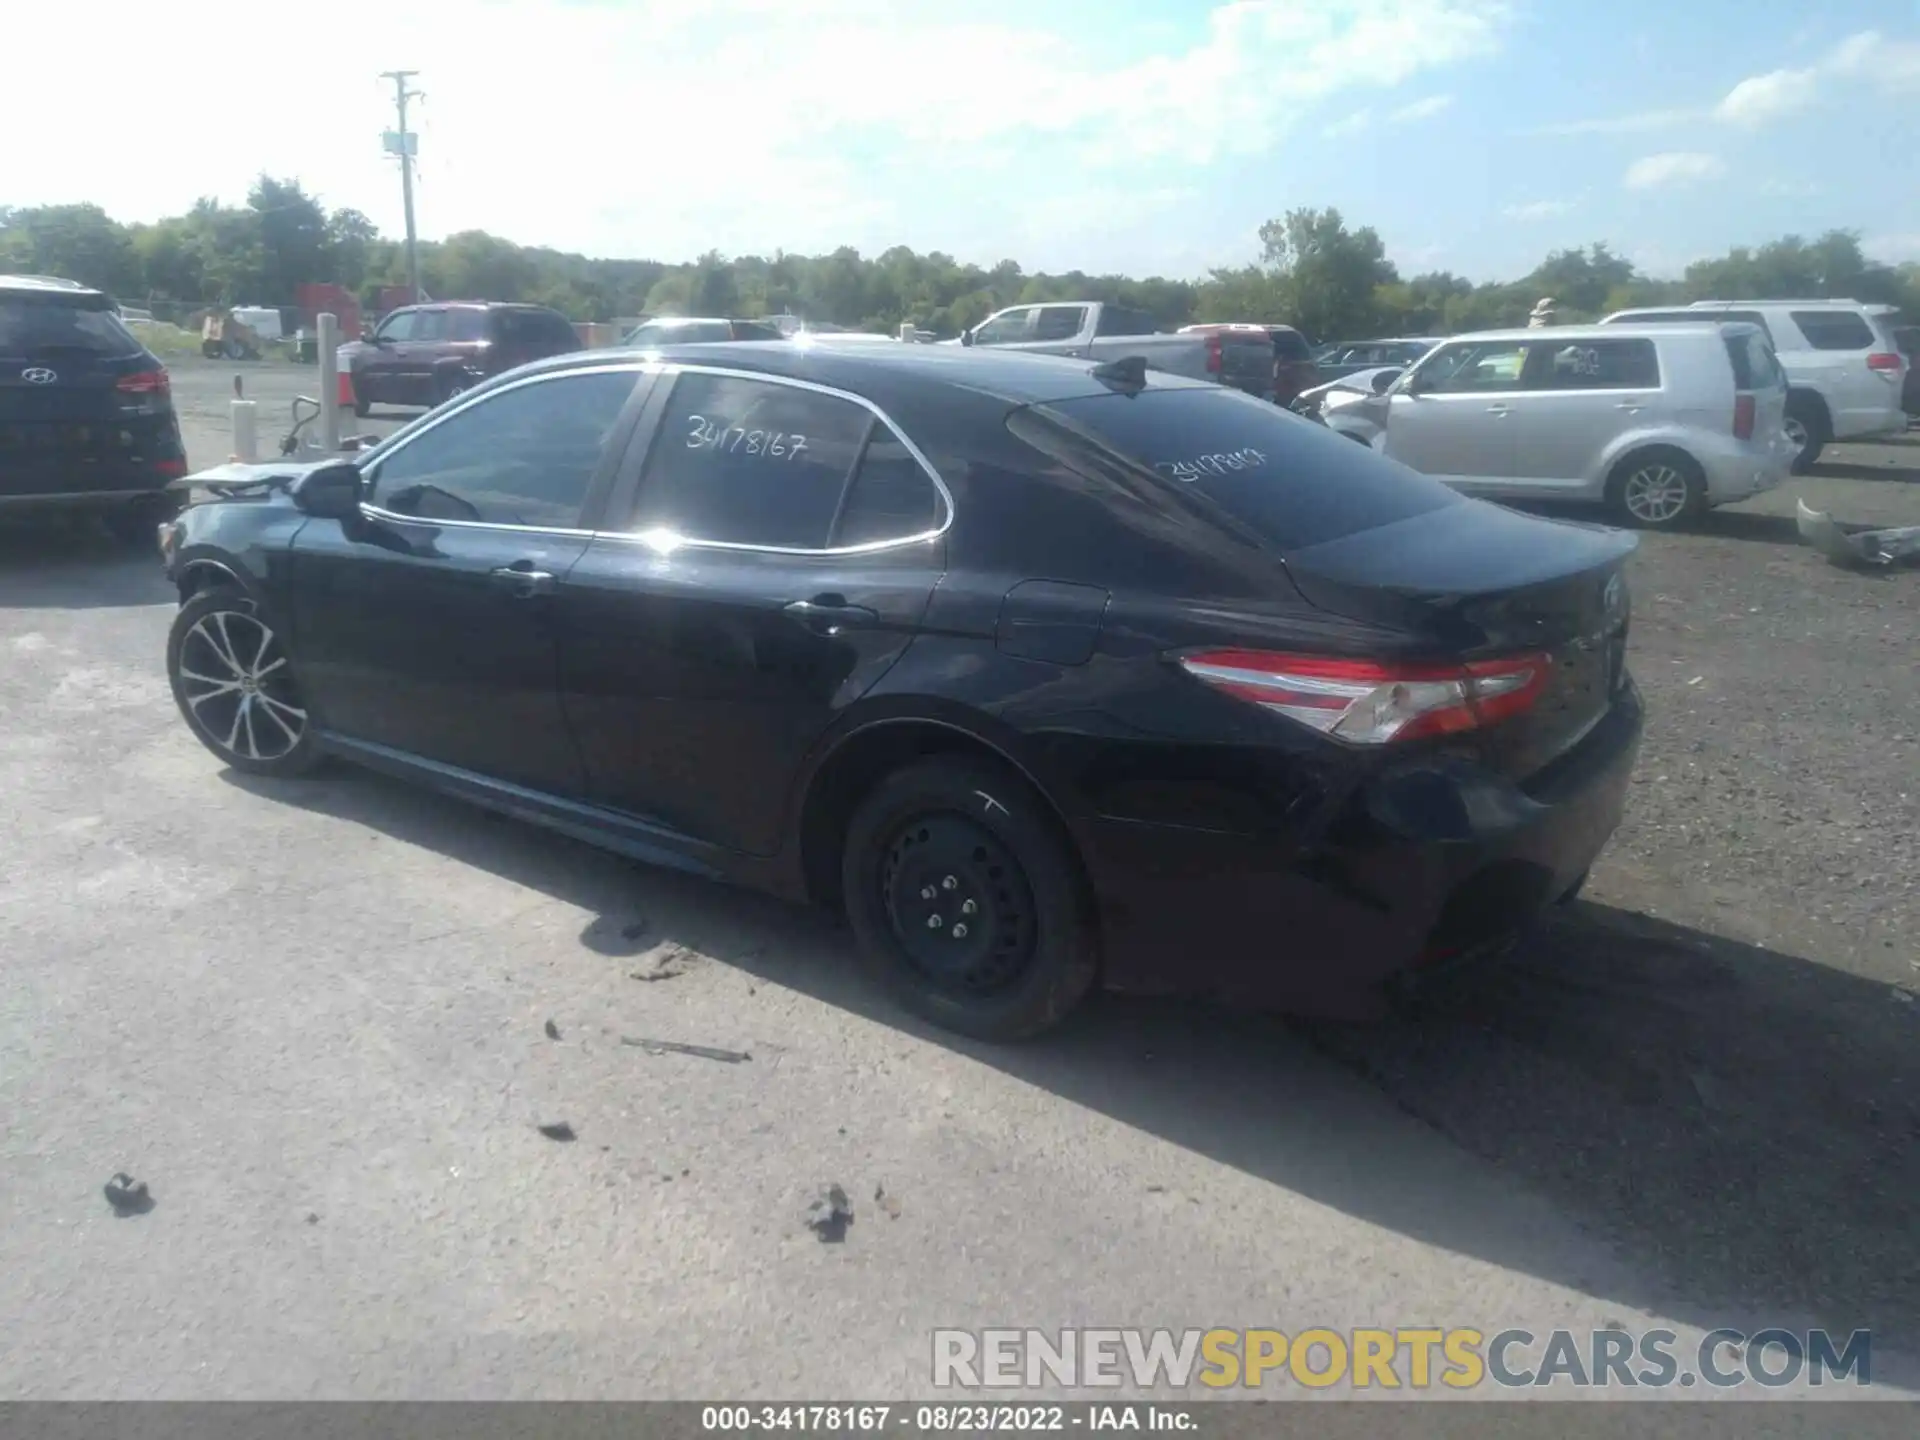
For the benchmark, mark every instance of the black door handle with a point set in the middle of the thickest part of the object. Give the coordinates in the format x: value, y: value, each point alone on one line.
x: 522, y: 580
x: 829, y: 614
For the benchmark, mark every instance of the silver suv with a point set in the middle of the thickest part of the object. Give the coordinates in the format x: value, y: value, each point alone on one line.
x: 1658, y: 423
x: 1844, y: 371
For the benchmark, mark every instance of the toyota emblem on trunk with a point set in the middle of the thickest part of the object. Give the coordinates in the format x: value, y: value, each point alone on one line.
x: 39, y: 375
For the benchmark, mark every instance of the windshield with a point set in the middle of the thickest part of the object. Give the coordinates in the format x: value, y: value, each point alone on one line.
x: 1291, y: 481
x: 30, y: 328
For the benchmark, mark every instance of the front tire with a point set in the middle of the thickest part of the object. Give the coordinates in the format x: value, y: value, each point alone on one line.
x: 1657, y: 490
x: 967, y: 901
x: 234, y: 684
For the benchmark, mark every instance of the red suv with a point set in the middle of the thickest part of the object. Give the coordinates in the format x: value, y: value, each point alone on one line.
x: 425, y: 354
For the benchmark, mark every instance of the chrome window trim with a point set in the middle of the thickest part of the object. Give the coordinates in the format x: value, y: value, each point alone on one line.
x: 653, y: 541
x: 637, y: 367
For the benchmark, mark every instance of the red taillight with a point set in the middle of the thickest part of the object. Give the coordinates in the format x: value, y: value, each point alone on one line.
x: 1213, y: 354
x: 1886, y: 362
x: 172, y: 468
x: 1374, y: 703
x: 145, y: 382
x: 1743, y: 414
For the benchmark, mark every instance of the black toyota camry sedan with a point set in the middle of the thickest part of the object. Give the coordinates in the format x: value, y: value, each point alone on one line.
x: 1045, y: 673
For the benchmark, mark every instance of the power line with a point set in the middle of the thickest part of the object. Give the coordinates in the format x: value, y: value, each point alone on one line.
x: 403, y: 145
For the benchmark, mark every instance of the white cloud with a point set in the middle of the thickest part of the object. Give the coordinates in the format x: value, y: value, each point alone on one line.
x: 667, y: 127
x: 1538, y: 210
x: 1350, y: 124
x: 1780, y: 189
x: 1420, y: 109
x: 1868, y: 59
x: 1674, y: 167
x: 1634, y: 124
x: 1892, y: 249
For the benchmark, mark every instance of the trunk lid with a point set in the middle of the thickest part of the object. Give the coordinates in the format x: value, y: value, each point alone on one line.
x: 1477, y: 581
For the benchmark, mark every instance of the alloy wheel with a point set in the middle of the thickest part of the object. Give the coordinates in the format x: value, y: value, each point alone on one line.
x: 235, y: 684
x: 959, y: 905
x: 1796, y: 429
x: 1655, y: 494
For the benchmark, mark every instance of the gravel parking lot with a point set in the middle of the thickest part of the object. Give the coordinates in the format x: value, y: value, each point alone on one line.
x: 312, y: 1018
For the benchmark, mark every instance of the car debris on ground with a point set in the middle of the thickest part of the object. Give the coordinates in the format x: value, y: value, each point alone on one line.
x: 127, y: 1196
x: 676, y: 1047
x: 558, y: 1130
x: 830, y: 1214
x: 666, y: 963
x: 553, y: 1031
x: 1856, y: 547
x: 888, y: 1203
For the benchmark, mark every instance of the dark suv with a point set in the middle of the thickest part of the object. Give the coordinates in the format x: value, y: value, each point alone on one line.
x: 86, y: 411
x: 424, y: 354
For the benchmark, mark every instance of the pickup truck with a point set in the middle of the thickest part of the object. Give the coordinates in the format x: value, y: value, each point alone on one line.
x: 1242, y: 358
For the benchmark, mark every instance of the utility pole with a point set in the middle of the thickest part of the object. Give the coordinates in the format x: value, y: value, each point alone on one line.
x: 403, y: 144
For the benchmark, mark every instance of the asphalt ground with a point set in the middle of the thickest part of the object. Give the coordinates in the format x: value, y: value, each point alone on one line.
x: 312, y: 1018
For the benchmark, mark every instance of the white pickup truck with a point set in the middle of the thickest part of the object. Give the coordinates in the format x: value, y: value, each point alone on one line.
x: 1091, y: 330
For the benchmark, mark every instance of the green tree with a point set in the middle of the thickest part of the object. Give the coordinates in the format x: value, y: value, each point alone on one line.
x: 1329, y: 273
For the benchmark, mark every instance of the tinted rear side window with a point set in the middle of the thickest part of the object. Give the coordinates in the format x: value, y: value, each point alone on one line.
x: 35, y: 327
x: 466, y: 325
x: 1292, y: 482
x: 750, y: 462
x: 1290, y: 345
x: 891, y: 497
x: 1834, y: 329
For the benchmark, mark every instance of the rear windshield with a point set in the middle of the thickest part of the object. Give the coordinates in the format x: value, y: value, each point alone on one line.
x: 31, y: 328
x: 1290, y: 345
x: 1292, y: 482
x: 1754, y: 365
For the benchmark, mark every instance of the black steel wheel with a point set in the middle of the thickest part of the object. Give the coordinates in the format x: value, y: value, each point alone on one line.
x: 234, y: 684
x: 968, y: 901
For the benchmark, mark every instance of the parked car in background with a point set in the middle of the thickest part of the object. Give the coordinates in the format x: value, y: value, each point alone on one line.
x: 1906, y: 339
x: 86, y: 411
x: 1657, y: 422
x: 1293, y: 367
x: 1347, y: 357
x: 1844, y: 373
x: 1044, y: 673
x: 1241, y: 357
x: 690, y: 330
x: 424, y: 355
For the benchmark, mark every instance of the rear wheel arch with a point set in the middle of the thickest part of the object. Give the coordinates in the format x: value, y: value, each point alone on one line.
x: 1806, y: 401
x: 197, y: 576
x: 865, y: 757
x: 1672, y: 455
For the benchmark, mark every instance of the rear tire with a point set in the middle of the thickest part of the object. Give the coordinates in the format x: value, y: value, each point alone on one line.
x: 959, y: 853
x: 1657, y: 489
x: 1807, y: 427
x: 233, y: 682
x: 361, y: 408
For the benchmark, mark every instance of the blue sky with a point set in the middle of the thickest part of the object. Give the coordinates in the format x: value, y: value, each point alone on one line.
x: 1149, y: 136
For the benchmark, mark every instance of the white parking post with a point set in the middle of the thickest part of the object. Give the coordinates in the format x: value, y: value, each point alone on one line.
x: 329, y: 335
x: 246, y: 432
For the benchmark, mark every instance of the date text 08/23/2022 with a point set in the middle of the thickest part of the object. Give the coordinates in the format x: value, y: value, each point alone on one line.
x: 966, y: 1419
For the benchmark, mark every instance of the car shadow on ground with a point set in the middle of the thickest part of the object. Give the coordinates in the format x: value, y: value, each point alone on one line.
x: 70, y: 562
x: 1903, y: 474
x: 1742, y: 1125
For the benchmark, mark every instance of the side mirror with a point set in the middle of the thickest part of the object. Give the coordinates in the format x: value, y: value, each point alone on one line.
x: 366, y: 336
x: 331, y: 492
x: 1383, y: 382
x: 966, y: 336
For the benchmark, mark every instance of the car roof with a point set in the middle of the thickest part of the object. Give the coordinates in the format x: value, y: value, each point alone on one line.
x: 47, y: 285
x: 1614, y: 331
x: 1010, y: 376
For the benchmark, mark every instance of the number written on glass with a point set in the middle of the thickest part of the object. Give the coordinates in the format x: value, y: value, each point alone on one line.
x: 1201, y: 466
x: 705, y: 434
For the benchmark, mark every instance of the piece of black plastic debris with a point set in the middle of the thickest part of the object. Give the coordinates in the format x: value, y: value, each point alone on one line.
x: 127, y: 1196
x: 553, y: 1031
x: 888, y: 1203
x: 312, y: 1218
x: 830, y: 1214
x: 558, y: 1130
x: 675, y: 1047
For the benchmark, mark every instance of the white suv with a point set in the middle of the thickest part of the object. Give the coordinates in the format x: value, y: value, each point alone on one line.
x: 1844, y: 372
x: 1658, y: 423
